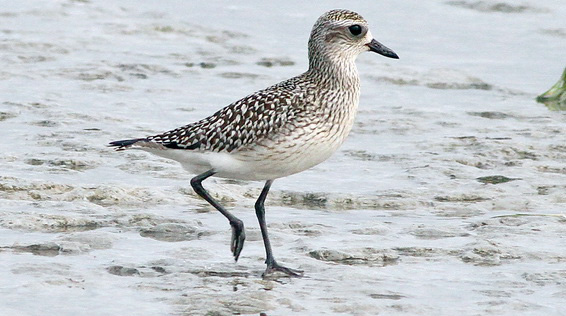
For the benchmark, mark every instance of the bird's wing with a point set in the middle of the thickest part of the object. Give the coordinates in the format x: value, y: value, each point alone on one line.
x: 241, y: 123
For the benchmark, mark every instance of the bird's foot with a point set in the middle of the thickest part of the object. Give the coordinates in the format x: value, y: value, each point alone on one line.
x: 238, y: 238
x: 275, y: 271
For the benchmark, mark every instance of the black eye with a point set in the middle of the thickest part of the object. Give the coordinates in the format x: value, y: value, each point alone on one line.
x: 355, y: 29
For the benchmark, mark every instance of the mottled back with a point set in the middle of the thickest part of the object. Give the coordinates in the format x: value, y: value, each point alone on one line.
x: 243, y: 122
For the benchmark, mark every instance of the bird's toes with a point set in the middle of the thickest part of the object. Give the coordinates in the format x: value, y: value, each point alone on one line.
x: 275, y: 271
x: 238, y: 238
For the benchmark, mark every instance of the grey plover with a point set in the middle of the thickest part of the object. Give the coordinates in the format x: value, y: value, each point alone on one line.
x: 281, y: 130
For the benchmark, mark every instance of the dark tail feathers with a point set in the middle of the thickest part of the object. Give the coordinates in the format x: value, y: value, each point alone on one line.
x: 123, y: 144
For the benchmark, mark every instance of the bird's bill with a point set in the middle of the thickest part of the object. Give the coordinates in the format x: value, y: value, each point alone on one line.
x: 381, y: 49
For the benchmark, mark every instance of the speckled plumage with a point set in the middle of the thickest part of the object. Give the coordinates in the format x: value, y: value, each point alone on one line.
x: 283, y: 129
x: 343, y: 15
x: 278, y: 131
x: 292, y: 125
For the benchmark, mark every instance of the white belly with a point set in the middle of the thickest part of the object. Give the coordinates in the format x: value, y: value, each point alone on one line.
x: 271, y: 159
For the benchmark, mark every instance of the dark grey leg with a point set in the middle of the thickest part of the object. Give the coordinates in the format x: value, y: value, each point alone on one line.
x: 272, y: 265
x: 238, y: 233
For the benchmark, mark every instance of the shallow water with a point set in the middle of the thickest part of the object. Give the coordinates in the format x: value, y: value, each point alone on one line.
x: 401, y: 221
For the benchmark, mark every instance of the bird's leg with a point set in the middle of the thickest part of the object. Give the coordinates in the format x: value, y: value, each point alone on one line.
x: 238, y: 233
x: 272, y: 265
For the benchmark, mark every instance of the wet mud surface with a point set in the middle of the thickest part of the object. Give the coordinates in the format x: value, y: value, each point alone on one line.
x: 448, y: 197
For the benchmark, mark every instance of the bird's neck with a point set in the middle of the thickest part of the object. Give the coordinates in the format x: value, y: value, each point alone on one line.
x: 334, y: 71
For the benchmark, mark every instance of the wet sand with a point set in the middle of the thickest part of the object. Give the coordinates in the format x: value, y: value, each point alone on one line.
x: 448, y: 197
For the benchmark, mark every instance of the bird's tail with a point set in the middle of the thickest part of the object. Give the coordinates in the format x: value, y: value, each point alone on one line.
x: 124, y: 144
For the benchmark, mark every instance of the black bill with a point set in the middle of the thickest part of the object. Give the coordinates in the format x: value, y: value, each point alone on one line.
x: 379, y: 48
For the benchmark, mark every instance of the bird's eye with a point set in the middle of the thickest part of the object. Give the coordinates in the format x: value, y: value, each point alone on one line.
x: 355, y: 29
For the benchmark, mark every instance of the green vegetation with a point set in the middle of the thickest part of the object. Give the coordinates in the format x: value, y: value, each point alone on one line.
x: 555, y: 97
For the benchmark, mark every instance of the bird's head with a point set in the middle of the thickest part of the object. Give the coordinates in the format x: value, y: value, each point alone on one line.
x: 343, y: 34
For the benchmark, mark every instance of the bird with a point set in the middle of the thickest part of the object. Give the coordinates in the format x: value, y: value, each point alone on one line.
x: 282, y: 130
